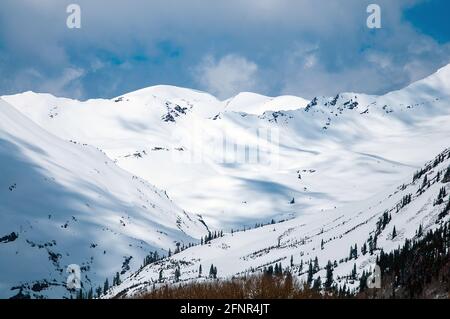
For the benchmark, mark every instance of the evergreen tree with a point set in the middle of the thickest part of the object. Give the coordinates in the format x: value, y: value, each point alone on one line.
x: 213, y: 272
x: 200, y: 271
x: 160, y: 276
x: 106, y: 286
x: 292, y: 261
x: 354, y: 272
x: 363, y: 281
x: 420, y: 231
x: 270, y: 271
x: 177, y: 274
x: 364, y: 249
x: 329, y: 276
x: 371, y: 245
x: 90, y: 294
x: 446, y: 177
x: 425, y: 181
x: 310, y: 274
x: 353, y: 252
x: 316, y: 265
x: 98, y: 291
x: 317, y: 284
x: 116, y: 279
x: 394, y: 233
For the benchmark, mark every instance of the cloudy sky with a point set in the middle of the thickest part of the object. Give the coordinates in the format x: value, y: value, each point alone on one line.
x: 273, y: 47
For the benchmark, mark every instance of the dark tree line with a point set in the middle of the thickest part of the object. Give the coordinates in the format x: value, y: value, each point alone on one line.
x: 151, y: 258
x: 439, y: 159
x: 419, y: 263
x: 441, y: 196
x: 406, y: 200
x: 205, y: 240
x: 271, y: 270
x: 213, y: 272
x: 382, y: 222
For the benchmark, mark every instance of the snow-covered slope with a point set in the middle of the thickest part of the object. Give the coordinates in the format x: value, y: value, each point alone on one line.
x: 236, y: 162
x: 65, y: 203
x: 329, y: 236
x: 239, y: 168
x: 252, y: 103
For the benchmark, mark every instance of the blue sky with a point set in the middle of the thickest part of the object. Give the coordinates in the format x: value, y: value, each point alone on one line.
x: 431, y: 18
x: 273, y: 47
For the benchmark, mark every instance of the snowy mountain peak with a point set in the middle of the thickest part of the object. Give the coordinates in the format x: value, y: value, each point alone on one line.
x: 209, y: 149
x: 438, y: 82
x: 169, y: 92
x: 425, y: 91
x: 253, y: 103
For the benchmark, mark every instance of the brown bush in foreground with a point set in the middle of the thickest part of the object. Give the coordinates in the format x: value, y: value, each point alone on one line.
x: 253, y: 287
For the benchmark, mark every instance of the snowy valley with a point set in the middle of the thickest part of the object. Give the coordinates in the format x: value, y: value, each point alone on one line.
x: 349, y: 239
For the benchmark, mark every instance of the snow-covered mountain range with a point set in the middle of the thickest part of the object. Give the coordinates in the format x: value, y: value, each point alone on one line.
x: 327, y: 166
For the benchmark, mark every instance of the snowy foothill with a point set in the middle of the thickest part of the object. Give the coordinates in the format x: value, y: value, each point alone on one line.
x: 350, y: 238
x: 64, y: 202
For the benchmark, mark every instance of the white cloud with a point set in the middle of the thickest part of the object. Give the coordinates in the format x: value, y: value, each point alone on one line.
x: 310, y: 61
x: 302, y: 47
x: 228, y: 76
x: 67, y: 82
x: 66, y: 78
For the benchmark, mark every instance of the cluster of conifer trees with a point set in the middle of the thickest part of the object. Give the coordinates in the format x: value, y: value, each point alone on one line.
x: 417, y: 265
x: 205, y: 240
